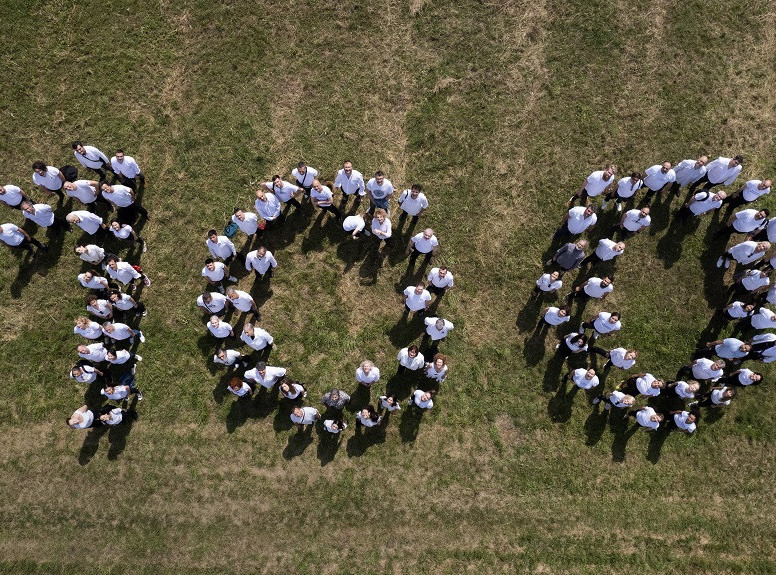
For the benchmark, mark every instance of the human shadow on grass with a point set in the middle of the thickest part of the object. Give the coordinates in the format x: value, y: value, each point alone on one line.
x: 401, y: 384
x: 656, y: 440
x: 298, y: 442
x: 323, y: 227
x: 409, y: 425
x: 244, y: 408
x: 405, y: 330
x: 534, y: 346
x: 527, y: 316
x: 117, y: 436
x: 560, y: 405
x: 372, y: 264
x: 352, y: 250
x: 553, y: 372
x: 669, y: 247
x: 363, y: 438
x: 328, y: 445
x: 91, y: 444
x: 359, y: 398
x: 712, y: 329
x: 595, y: 425
x: 208, y: 344
x: 622, y: 435
x: 220, y: 390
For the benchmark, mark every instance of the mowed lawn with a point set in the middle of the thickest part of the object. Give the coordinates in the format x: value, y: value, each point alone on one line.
x: 499, y: 109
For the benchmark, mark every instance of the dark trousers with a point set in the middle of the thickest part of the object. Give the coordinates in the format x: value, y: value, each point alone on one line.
x: 332, y: 209
x: 436, y: 290
x: 415, y: 253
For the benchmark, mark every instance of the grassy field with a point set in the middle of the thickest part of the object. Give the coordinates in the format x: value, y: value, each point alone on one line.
x: 499, y: 109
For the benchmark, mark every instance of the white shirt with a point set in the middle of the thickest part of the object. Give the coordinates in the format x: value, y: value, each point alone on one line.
x: 125, y: 302
x: 121, y: 196
x: 127, y: 167
x: 92, y: 158
x: 616, y: 398
x: 249, y: 224
x: 593, y: 288
x: 87, y: 418
x: 680, y: 419
x: 294, y: 391
x: 428, y: 404
x: 244, y: 389
x: 305, y: 180
x: 737, y: 311
x: 116, y: 416
x: 284, y: 192
x: 232, y: 355
x: 744, y: 252
x: 644, y: 385
x: 309, y: 414
x: 367, y: 378
x: 577, y: 222
x: 123, y: 233
x: 12, y: 196
x: 414, y: 301
x: 243, y: 301
x: 764, y: 319
x: 411, y: 363
x: 687, y: 174
x: 121, y: 331
x: 385, y: 228
x: 719, y: 171
x: 551, y: 316
x: 424, y: 245
x: 88, y: 374
x: 440, y: 282
x: 432, y: 330
x: 353, y: 223
x: 269, y: 209
x: 387, y: 406
x: 50, y: 180
x: 413, y: 206
x: 93, y: 255
x: 222, y: 248
x: 89, y: 223
x: 328, y: 425
x: 617, y: 355
x: 633, y: 221
x: 353, y: 184
x: 323, y: 197
x: 122, y: 357
x: 602, y: 324
x: 92, y: 331
x: 744, y: 377
x: 215, y: 305
x: 216, y: 274
x: 124, y: 272
x: 119, y: 392
x: 260, y: 264
x: 259, y: 340
x: 704, y: 202
x: 682, y: 390
x: 97, y: 352
x: 380, y: 191
x: 43, y: 216
x: 368, y: 421
x: 655, y: 179
x: 751, y: 190
x: 271, y: 375
x: 572, y: 345
x: 643, y: 417
x: 595, y: 183
x: 10, y: 234
x: 101, y: 309
x: 84, y: 192
x: 702, y: 369
x: 545, y: 283
x: 752, y: 280
x: 745, y: 221
x: 626, y: 188
x: 221, y: 330
x: 730, y: 348
x: 606, y: 251
x: 437, y: 374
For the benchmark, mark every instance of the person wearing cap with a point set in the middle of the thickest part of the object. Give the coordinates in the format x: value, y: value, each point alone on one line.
x: 721, y: 172
x: 335, y: 399
x: 304, y: 175
x: 265, y: 375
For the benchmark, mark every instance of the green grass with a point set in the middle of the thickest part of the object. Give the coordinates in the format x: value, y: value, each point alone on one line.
x: 499, y: 110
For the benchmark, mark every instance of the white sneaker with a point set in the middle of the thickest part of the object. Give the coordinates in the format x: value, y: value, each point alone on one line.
x: 604, y: 204
x: 232, y: 279
x: 596, y: 400
x: 557, y: 346
x: 619, y: 207
x: 727, y: 264
x: 146, y: 281
x: 720, y: 261
x: 142, y: 337
x: 607, y: 407
x: 138, y: 357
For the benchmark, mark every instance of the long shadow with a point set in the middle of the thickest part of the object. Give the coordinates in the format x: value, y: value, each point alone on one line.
x: 91, y: 444
x: 410, y: 424
x: 620, y: 441
x: 208, y: 344
x: 316, y: 233
x: 359, y: 398
x: 405, y: 330
x: 328, y: 445
x: 595, y: 425
x: 534, y: 346
x: 560, y: 406
x: 660, y: 211
x: 363, y: 439
x: 117, y: 436
x: 242, y: 409
x: 713, y: 415
x: 527, y: 317
x: 669, y: 247
x: 92, y: 395
x: 282, y: 421
x: 401, y: 384
x: 712, y: 329
x: 370, y: 267
x: 656, y: 441
x: 220, y: 391
x: 552, y: 373
x: 298, y: 442
x: 352, y: 251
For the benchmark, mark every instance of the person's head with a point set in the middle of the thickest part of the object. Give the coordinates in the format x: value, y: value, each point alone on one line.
x: 619, y: 246
x: 317, y: 185
x: 277, y: 181
x: 347, y: 166
x: 110, y: 354
x: 442, y: 271
x: 564, y: 310
x: 336, y: 424
x: 693, y: 416
x: 658, y: 417
x: 82, y: 250
x: 248, y: 329
x: 419, y: 288
x: 79, y: 147
x: 556, y: 275
x: 108, y: 327
x: 214, y: 321
x: 762, y: 246
x: 27, y: 207
x: 75, y: 419
x: 90, y: 299
x: 119, y: 155
x: 631, y: 354
x: 657, y: 384
x: 286, y: 384
x: 589, y: 210
x: 390, y: 400
x: 729, y: 393
x: 666, y: 167
x: 428, y: 233
x: 440, y: 360
x: 369, y: 412
x: 609, y: 171
x: 239, y: 214
x: 762, y: 214
x: 235, y: 383
x: 765, y: 184
x: 439, y: 324
x: 114, y: 295
x: 635, y: 177
x: 261, y: 251
x: 379, y: 177
x: 745, y: 347
x: 426, y: 396
x: 590, y: 374
x: 69, y: 186
x: 210, y: 264
x: 221, y: 353
x: 212, y: 235
x: 615, y: 317
x: 627, y: 400
x: 606, y: 281
x: 231, y: 293
x: 261, y: 196
x: 39, y: 168
x: 700, y: 162
x: 207, y: 297
x: 105, y: 186
x: 301, y: 167
x: 261, y: 367
x: 298, y: 411
x: 115, y: 224
x: 755, y: 376
x: 415, y: 190
x: 580, y: 340
x: 581, y: 244
x: 413, y: 350
x: 693, y: 386
x: 381, y: 214
x: 644, y: 212
x: 76, y: 371
x: 82, y: 322
x: 749, y: 307
x: 334, y: 395
x: 718, y: 365
x: 72, y: 218
x: 366, y: 366
x: 736, y: 161
x: 112, y: 262
x: 109, y: 388
x: 81, y: 348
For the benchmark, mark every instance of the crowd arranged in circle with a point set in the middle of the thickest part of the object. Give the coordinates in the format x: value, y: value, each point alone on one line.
x: 715, y: 370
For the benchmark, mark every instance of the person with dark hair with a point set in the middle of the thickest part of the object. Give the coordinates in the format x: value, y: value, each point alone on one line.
x: 576, y: 221
x: 248, y: 222
x: 749, y: 192
x: 604, y: 323
x: 91, y: 158
x: 717, y: 396
x: 556, y: 315
x: 261, y: 261
x: 722, y: 171
x: 322, y: 198
x: 127, y: 171
x: 583, y: 378
x: 379, y: 189
x: 304, y: 175
x: 123, y: 197
x: 220, y: 247
x: 742, y: 378
x: 292, y: 389
x: 304, y: 416
x: 688, y: 172
x: 422, y: 399
x: 212, y: 303
x: 642, y: 384
x: 112, y: 415
x: 123, y: 303
x: 98, y: 307
x: 388, y: 403
x: 412, y: 202
x: 123, y: 356
x: 440, y: 281
x: 351, y: 182
x: 626, y: 188
x: 48, y: 179
x: 647, y: 418
x: 44, y: 216
x: 265, y: 375
x: 594, y: 185
x: 215, y: 274
x: 124, y: 232
x: 634, y: 221
x: 410, y: 358
x: 593, y: 287
x: 572, y: 343
x: 700, y: 204
x: 334, y: 425
x: 368, y: 417
x: 548, y: 283
x: 284, y: 191
x: 617, y: 357
x: 82, y: 372
x: 230, y: 358
x: 684, y: 421
x: 750, y: 221
x: 570, y: 256
x: 15, y: 237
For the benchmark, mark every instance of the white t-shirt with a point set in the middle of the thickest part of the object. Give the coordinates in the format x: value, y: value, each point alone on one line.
x: 92, y: 331
x: 367, y: 378
x: 353, y: 184
x: 383, y: 403
x: 221, y: 330
x: 215, y: 305
x: 687, y: 174
x: 124, y: 231
x: 260, y: 264
x: 606, y: 251
x: 328, y: 425
x: 216, y: 274
x: 305, y: 180
x: 243, y: 302
x: 719, y: 172
x: 309, y: 415
x: 384, y: 227
x: 579, y: 377
x: 424, y: 245
x: 411, y: 363
x: 43, y: 216
x: 764, y: 319
x: 551, y: 316
x: 259, y: 340
x: 413, y: 206
x: 93, y: 255
x: 616, y: 398
x: 753, y: 281
x: 436, y: 374
x: 682, y: 390
x: 545, y: 283
x: 121, y: 331
x: 249, y: 224
x: 232, y: 355
x: 428, y: 404
x: 730, y: 348
x: 680, y: 421
x: 101, y: 309
x: 12, y: 195
x: 414, y: 301
x: 90, y: 223
x: 617, y: 355
x: 116, y: 416
x: 744, y: 377
x: 572, y: 344
x: 643, y: 417
x: 577, y: 222
x: 752, y: 191
x: 119, y: 392
x: 644, y: 385
x: 432, y: 330
x: 603, y: 326
x: 633, y: 221
x: 440, y: 282
x: 744, y: 253
x: 271, y: 375
x: 244, y: 389
x: 124, y: 272
x: 655, y: 179
x: 122, y: 356
x: 96, y: 352
x: 737, y: 311
x: 595, y: 183
x: 10, y: 234
x: 702, y: 369
x: 87, y: 418
x: 50, y: 180
x: 626, y: 188
x: 704, y: 202
x: 127, y: 167
x: 593, y: 288
x: 745, y: 221
x: 84, y: 192
x: 378, y: 191
x: 353, y: 223
x: 122, y: 196
x: 124, y: 303
x: 323, y: 197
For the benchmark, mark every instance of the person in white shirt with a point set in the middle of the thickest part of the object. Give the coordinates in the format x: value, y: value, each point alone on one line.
x: 626, y: 188
x: 763, y: 318
x: 633, y: 221
x: 737, y: 310
x: 576, y: 221
x: 440, y: 281
x: 304, y: 416
x: 322, y: 198
x: 125, y: 272
x: 606, y: 250
x: 85, y: 191
x: 256, y: 337
x: 572, y: 343
x: 416, y: 299
x: 705, y: 369
x: 656, y: 178
x: 367, y: 373
x: 220, y: 247
x: 120, y: 331
x: 413, y: 203
x: 98, y: 307
x: 595, y: 184
x: 248, y: 222
x: 750, y: 221
x: 84, y: 373
x: 290, y: 389
x: 122, y: 303
x: 604, y: 323
x: 15, y: 237
x: 261, y: 261
x: 43, y: 215
x: 730, y: 348
x: 112, y: 416
x: 548, y: 283
x: 437, y: 369
x: 744, y: 253
x: 215, y: 274
x: 334, y: 425
x: 13, y: 196
x: 754, y: 281
x: 242, y: 301
x: 722, y: 171
x: 701, y: 204
x: 749, y: 192
x: 265, y: 375
x: 642, y: 384
x: 212, y: 303
x: 742, y: 378
x: 422, y: 399
x: 423, y: 244
x: 616, y: 399
x: 647, y: 418
x: 381, y: 226
x: 379, y: 189
x: 684, y: 421
x: 437, y: 328
x: 82, y: 418
x: 284, y: 191
x: 410, y: 358
x: 241, y: 388
x: 91, y: 158
x: 583, y: 378
x: 688, y: 172
x: 87, y: 328
x: 87, y: 221
x: 351, y: 182
x: 95, y: 352
x: 356, y: 223
x: 368, y: 417
x: 48, y: 179
x: 126, y: 170
x: 90, y: 253
x: 618, y: 357
x: 230, y: 358
x: 124, y: 232
x: 219, y: 328
x: 594, y: 287
x: 123, y: 197
x: 267, y: 205
x: 554, y: 316
x: 122, y: 356
x: 684, y: 389
x: 304, y: 175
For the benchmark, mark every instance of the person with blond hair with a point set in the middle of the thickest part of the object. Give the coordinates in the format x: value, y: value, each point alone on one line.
x: 367, y: 373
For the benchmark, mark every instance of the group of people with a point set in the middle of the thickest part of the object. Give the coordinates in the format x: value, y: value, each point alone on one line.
x: 715, y: 369
x: 106, y: 356
x: 222, y: 297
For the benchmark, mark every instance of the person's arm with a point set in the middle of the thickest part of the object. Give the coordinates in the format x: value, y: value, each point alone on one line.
x: 61, y: 176
x: 564, y: 219
x: 410, y: 244
x: 713, y: 343
x: 133, y: 233
x: 622, y: 220
x: 737, y: 192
